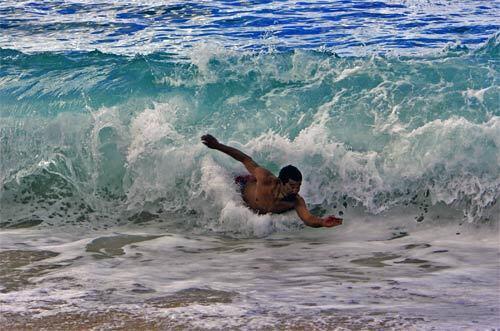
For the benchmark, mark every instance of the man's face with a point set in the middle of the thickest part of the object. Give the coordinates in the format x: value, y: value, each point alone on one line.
x: 292, y: 186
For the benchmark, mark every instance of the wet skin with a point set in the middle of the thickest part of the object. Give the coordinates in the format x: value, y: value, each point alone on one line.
x: 266, y: 193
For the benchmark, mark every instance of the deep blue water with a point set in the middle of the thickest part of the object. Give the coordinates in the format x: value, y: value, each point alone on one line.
x: 345, y: 27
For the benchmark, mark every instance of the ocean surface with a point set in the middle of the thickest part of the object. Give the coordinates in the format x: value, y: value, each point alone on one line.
x: 113, y: 213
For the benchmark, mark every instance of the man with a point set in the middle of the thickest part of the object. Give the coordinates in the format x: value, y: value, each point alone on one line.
x: 264, y: 193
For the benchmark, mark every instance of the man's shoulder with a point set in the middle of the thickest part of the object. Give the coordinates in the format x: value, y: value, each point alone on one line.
x: 265, y: 177
x: 299, y: 200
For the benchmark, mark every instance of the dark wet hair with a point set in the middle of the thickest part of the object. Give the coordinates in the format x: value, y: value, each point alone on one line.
x: 290, y: 172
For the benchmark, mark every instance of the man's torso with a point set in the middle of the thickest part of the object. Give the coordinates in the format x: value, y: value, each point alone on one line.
x: 264, y: 198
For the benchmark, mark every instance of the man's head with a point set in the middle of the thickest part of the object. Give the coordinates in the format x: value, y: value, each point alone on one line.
x: 291, y: 178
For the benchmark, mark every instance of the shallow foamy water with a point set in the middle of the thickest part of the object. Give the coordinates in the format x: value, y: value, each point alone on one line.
x: 371, y: 272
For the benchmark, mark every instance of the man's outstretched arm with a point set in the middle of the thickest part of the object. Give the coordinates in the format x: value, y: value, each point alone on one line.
x: 311, y: 220
x: 252, y: 167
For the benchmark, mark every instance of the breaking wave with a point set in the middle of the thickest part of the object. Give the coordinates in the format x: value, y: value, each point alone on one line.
x: 94, y: 138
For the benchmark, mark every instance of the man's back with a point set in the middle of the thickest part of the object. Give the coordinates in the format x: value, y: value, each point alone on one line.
x: 264, y: 197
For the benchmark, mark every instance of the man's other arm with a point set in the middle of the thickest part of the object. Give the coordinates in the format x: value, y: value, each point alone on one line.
x: 252, y: 167
x: 311, y: 220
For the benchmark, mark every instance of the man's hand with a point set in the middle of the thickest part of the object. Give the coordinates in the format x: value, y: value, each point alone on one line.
x: 210, y: 141
x: 331, y: 221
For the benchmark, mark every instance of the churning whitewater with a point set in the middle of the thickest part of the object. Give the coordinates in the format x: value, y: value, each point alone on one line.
x: 97, y: 139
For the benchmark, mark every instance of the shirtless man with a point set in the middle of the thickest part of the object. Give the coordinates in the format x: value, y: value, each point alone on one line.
x: 265, y: 193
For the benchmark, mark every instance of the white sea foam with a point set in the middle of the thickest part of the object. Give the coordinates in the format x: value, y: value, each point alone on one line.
x: 152, y: 127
